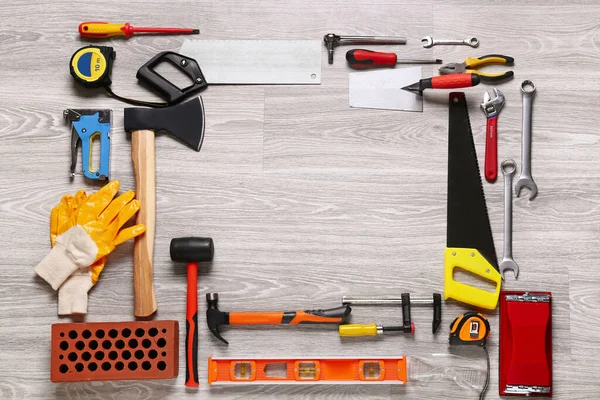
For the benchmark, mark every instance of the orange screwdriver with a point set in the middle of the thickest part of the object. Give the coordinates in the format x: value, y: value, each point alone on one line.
x: 107, y: 29
x: 367, y: 59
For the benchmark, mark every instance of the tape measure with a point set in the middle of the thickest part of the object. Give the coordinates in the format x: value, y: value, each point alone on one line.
x: 470, y: 328
x: 91, y: 66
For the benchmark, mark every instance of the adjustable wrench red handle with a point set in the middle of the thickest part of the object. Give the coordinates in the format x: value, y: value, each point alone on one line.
x: 491, y: 149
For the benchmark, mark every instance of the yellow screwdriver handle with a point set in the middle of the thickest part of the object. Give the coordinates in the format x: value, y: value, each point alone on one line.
x: 103, y: 29
x: 358, y: 330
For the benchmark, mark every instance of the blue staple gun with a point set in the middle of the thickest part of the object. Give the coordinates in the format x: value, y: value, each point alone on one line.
x: 87, y: 126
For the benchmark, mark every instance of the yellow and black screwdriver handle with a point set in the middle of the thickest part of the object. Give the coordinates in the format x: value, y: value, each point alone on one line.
x: 470, y: 328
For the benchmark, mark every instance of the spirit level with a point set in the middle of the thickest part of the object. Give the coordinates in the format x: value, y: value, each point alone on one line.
x: 351, y: 370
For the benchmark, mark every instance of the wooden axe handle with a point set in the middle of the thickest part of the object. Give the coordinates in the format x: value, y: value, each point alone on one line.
x: 142, y: 154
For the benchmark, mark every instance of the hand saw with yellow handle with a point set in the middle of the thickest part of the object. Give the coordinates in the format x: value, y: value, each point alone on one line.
x: 470, y: 245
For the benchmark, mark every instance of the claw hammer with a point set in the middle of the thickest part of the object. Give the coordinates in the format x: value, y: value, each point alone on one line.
x: 215, y: 317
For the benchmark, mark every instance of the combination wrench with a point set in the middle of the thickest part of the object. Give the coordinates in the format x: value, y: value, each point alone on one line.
x: 428, y: 42
x: 525, y: 180
x: 508, y: 264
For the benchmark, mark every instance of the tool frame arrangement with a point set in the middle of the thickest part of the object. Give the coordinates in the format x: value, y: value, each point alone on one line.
x: 86, y: 228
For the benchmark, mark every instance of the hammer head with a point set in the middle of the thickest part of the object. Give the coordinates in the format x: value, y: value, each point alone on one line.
x: 214, y: 317
x: 185, y: 121
x: 192, y: 249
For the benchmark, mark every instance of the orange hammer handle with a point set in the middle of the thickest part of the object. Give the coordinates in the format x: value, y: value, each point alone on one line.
x: 291, y: 317
x: 255, y: 318
x: 303, y: 317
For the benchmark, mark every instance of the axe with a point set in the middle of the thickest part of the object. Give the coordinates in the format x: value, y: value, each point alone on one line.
x: 185, y: 121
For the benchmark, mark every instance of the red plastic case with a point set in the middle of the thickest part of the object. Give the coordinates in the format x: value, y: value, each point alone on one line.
x: 525, y: 344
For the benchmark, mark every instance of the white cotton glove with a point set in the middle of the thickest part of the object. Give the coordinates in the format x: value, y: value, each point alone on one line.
x: 73, y: 294
x: 72, y: 250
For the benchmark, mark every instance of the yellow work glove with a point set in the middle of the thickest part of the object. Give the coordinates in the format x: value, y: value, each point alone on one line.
x: 73, y: 293
x: 63, y: 216
x: 95, y: 231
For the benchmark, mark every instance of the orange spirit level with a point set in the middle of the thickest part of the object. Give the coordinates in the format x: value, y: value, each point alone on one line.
x: 352, y: 370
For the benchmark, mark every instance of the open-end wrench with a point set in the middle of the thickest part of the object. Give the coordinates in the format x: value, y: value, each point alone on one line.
x: 508, y: 264
x: 525, y: 180
x: 428, y: 42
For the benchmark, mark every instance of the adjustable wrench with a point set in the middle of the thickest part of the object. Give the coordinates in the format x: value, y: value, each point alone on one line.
x: 491, y: 108
x: 525, y: 180
x: 428, y: 42
x: 508, y: 170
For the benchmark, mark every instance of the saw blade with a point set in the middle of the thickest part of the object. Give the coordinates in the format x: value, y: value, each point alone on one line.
x: 468, y: 220
x: 257, y: 62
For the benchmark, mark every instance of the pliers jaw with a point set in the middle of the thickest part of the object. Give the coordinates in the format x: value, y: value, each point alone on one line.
x: 453, y: 68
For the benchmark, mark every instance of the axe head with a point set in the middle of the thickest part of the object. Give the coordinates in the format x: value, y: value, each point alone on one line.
x: 185, y: 121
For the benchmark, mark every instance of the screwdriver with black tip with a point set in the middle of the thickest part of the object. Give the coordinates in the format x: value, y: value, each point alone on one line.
x: 367, y: 59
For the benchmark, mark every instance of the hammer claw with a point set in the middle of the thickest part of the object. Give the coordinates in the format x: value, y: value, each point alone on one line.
x: 218, y: 335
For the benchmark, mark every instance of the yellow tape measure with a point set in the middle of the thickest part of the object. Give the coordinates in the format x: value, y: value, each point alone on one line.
x: 470, y: 328
x: 91, y: 66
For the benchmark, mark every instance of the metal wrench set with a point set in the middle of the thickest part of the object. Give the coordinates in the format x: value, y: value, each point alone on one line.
x: 84, y: 225
x: 491, y: 107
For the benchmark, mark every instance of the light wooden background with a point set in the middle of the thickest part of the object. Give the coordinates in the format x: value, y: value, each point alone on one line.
x: 306, y: 199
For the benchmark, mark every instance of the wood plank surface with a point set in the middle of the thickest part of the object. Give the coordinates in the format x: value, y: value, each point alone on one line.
x: 306, y: 199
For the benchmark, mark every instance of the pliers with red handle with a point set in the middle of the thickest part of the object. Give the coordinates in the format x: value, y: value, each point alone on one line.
x: 471, y: 65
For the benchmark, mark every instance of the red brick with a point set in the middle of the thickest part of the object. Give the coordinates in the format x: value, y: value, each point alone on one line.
x: 99, y: 351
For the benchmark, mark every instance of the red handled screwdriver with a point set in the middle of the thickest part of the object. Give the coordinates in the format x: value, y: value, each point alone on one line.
x: 452, y: 81
x: 367, y: 59
x: 107, y: 29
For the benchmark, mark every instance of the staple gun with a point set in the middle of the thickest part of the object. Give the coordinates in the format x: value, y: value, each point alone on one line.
x: 87, y: 126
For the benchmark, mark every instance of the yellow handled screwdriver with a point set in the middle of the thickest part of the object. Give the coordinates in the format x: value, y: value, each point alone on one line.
x: 107, y: 29
x: 348, y: 330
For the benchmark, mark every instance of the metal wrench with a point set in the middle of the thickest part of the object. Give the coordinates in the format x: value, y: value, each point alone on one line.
x: 508, y: 264
x: 428, y: 42
x: 525, y: 180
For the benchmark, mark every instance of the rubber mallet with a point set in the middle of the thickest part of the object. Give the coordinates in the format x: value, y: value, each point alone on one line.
x: 192, y: 250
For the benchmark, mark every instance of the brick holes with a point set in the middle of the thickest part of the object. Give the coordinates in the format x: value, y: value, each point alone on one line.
x: 118, y: 350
